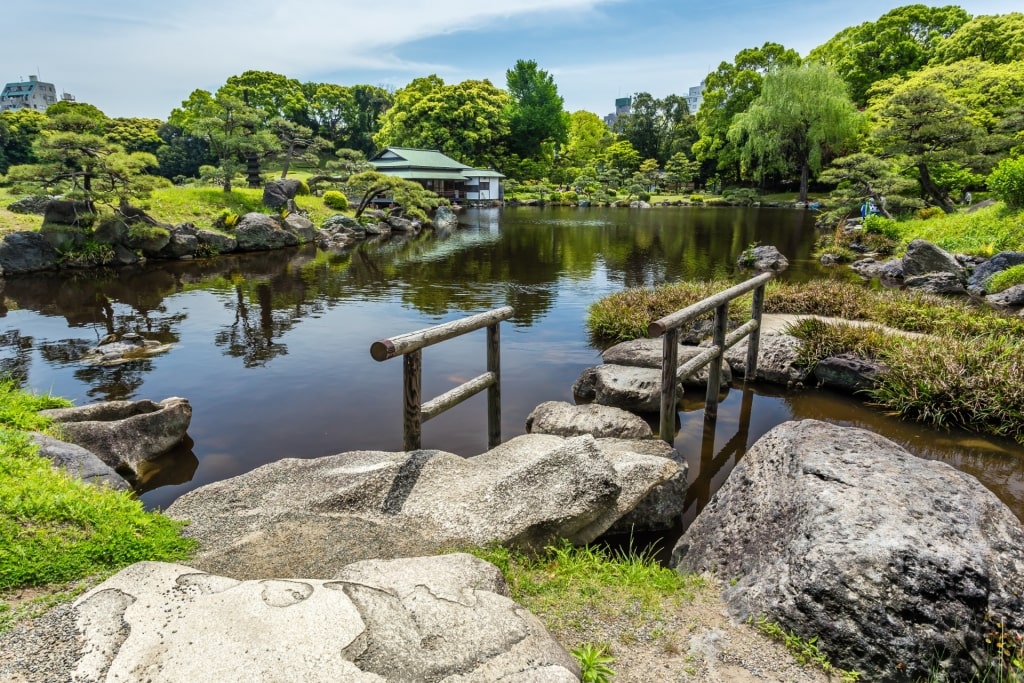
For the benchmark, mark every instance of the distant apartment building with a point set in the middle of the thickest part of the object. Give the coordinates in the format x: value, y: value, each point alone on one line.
x: 623, y: 106
x: 695, y: 97
x: 30, y: 94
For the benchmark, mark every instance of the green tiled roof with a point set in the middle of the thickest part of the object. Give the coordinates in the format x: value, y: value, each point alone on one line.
x: 421, y: 158
x: 423, y: 174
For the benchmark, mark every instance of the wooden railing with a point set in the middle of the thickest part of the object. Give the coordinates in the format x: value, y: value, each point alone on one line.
x: 669, y: 327
x: 410, y: 346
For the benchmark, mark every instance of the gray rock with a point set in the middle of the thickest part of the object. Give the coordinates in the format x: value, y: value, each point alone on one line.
x: 936, y: 283
x: 923, y: 257
x: 334, y: 240
x: 301, y: 227
x: 218, y: 242
x: 639, y: 205
x: 849, y: 372
x: 150, y: 242
x: 637, y: 390
x: 111, y: 232
x: 378, y: 228
x: 259, y: 232
x: 63, y: 212
x: 127, y: 348
x: 565, y: 419
x: 892, y: 270
x: 763, y: 258
x: 79, y: 462
x: 1012, y: 297
x: 983, y: 272
x: 868, y: 268
x: 63, y: 237
x: 663, y: 506
x: 399, y: 224
x: 183, y: 242
x: 278, y: 193
x: 25, y: 252
x: 829, y: 259
x: 32, y: 205
x: 310, y: 517
x: 445, y: 218
x: 125, y: 434
x: 647, y: 353
x: 341, y: 222
x: 778, y: 359
x: 894, y: 562
x: 445, y: 618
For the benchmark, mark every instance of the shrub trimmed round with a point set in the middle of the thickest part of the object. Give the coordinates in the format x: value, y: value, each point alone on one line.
x: 335, y: 200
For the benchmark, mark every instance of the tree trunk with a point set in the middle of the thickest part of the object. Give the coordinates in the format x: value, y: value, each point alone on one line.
x: 287, y: 160
x: 933, y: 191
x: 805, y: 176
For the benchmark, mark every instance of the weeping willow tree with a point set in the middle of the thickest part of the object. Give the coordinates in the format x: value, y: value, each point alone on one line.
x: 802, y: 118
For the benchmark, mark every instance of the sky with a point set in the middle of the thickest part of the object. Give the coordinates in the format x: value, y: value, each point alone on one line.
x: 131, y: 58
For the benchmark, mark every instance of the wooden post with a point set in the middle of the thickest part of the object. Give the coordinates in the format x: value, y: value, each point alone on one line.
x: 412, y: 423
x: 669, y: 360
x: 715, y: 367
x: 494, y: 391
x: 754, y: 342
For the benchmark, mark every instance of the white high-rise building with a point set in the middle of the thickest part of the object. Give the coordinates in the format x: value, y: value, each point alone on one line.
x: 695, y: 97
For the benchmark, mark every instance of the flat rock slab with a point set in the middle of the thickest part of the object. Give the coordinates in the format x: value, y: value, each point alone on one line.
x: 444, y: 618
x: 648, y: 353
x: 892, y: 561
x: 637, y: 390
x: 565, y: 419
x: 778, y: 359
x: 310, y: 517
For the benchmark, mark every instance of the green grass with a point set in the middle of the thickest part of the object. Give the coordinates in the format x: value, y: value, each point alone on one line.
x: 804, y: 650
x: 983, y: 232
x: 570, y: 588
x: 55, y: 528
x: 15, y: 222
x: 1004, y: 280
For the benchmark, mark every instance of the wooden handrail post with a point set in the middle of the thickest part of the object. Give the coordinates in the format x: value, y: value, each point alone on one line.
x: 494, y: 391
x: 715, y: 368
x: 412, y: 422
x: 754, y: 342
x: 669, y: 360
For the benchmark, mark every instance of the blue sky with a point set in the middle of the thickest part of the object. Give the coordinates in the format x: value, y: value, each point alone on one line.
x: 142, y: 59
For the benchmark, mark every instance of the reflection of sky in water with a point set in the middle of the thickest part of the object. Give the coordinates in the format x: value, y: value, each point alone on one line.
x: 272, y: 349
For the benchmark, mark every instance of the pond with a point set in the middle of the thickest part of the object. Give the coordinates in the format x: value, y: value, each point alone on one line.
x: 272, y: 349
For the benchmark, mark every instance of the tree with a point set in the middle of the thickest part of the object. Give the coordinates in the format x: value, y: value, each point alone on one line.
x: 680, y: 169
x: 728, y: 91
x: 588, y: 136
x: 466, y: 121
x: 998, y: 39
x: 296, y: 142
x: 642, y: 127
x: 863, y: 176
x: 412, y: 197
x: 73, y: 160
x: 920, y: 127
x: 181, y: 154
x: 18, y: 130
x: 802, y: 116
x: 899, y: 42
x: 135, y: 134
x: 536, y: 113
x: 370, y: 104
x: 622, y: 157
x: 331, y: 109
x: 228, y: 126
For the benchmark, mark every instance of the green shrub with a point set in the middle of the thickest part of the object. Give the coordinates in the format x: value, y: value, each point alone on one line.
x: 303, y: 190
x: 880, y: 225
x: 570, y: 196
x: 929, y: 212
x: 555, y: 197
x: 335, y: 200
x: 145, y: 231
x: 89, y: 253
x: 1005, y: 279
x: 1007, y: 182
x: 644, y: 196
x: 696, y: 199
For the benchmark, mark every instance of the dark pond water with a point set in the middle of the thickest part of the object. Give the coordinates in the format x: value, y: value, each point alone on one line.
x: 272, y: 349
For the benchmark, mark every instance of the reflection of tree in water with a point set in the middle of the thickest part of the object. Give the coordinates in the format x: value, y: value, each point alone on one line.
x: 15, y: 365
x: 115, y: 383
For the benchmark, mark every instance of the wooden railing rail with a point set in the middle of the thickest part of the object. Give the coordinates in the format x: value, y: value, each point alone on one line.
x: 410, y: 347
x: 721, y: 341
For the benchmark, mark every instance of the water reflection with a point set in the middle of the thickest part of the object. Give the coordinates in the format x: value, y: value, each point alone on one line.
x: 272, y: 348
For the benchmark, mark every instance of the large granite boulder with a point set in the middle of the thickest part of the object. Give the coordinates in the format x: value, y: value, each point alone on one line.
x: 936, y: 283
x: 297, y: 518
x: 981, y: 273
x: 78, y: 462
x: 662, y: 507
x: 25, y: 252
x: 278, y: 193
x: 923, y: 257
x: 339, y: 222
x: 301, y: 227
x: 63, y: 237
x: 778, y: 359
x: 565, y: 419
x: 126, y: 348
x: 260, y: 232
x: 215, y: 242
x: 763, y: 258
x: 183, y: 242
x: 898, y: 565
x: 401, y: 224
x: 1011, y: 297
x: 446, y: 618
x: 66, y: 212
x: 125, y: 433
x: 647, y: 353
x: 445, y: 219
